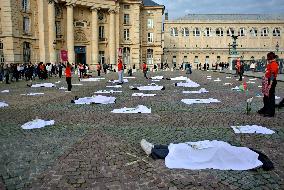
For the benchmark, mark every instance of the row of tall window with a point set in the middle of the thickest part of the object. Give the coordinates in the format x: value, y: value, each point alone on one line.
x: 126, y: 21
x: 229, y: 32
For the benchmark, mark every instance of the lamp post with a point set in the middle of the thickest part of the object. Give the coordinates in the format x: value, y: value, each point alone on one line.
x: 277, y: 47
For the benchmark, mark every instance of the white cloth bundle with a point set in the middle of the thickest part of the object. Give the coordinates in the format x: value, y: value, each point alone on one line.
x: 138, y: 109
x: 47, y: 85
x: 107, y: 92
x: 179, y: 78
x: 3, y: 104
x: 217, y: 80
x: 62, y: 88
x: 33, y: 94
x: 96, y: 99
x: 202, y: 90
x: 37, y: 123
x: 147, y: 88
x: 91, y: 79
x: 236, y: 88
x: 252, y: 129
x: 57, y: 82
x: 228, y: 77
x: 199, y: 101
x: 5, y: 91
x: 211, y: 155
x: 117, y: 81
x: 142, y: 94
x: 116, y: 86
x: 188, y: 83
x: 157, y: 77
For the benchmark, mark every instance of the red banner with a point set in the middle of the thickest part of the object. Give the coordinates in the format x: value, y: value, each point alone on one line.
x: 64, y: 55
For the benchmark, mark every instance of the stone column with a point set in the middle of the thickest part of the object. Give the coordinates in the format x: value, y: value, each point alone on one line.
x: 70, y: 34
x: 112, y: 45
x: 95, y: 38
x: 41, y: 31
x: 51, y: 31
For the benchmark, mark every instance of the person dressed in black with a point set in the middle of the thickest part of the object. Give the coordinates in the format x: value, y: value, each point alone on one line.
x: 60, y: 67
x: 242, y: 70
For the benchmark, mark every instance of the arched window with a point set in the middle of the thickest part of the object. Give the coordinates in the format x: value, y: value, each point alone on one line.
x: 196, y: 32
x: 185, y: 32
x: 174, y: 31
x: 253, y: 32
x: 150, y: 56
x: 219, y: 32
x: 230, y: 32
x: 276, y: 32
x: 264, y: 32
x: 207, y: 32
x: 242, y: 32
x: 26, y: 52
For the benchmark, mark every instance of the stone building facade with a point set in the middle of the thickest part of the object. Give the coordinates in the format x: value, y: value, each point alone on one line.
x: 200, y: 38
x: 91, y: 31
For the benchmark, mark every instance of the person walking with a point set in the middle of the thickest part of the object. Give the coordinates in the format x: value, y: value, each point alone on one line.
x: 60, y: 67
x: 99, y: 68
x: 269, y: 82
x: 241, y: 71
x: 68, y: 74
x: 144, y: 67
x: 120, y: 70
x: 6, y: 69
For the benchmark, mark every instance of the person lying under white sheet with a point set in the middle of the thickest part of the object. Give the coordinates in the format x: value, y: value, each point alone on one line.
x: 207, y: 155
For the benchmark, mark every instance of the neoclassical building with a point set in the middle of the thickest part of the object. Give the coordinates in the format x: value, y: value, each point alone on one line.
x: 89, y: 31
x: 206, y: 38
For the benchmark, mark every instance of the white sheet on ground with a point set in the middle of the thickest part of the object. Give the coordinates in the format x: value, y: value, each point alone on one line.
x: 129, y: 77
x: 259, y: 86
x: 107, y: 92
x: 116, y: 86
x: 200, y: 101
x: 150, y: 87
x: 253, y: 79
x: 157, y: 77
x: 228, y: 84
x: 3, y: 104
x: 179, y: 78
x: 57, y: 82
x: 37, y: 123
x: 188, y: 83
x: 47, y: 85
x: 228, y: 77
x: 209, y: 76
x: 217, y: 80
x: 96, y: 99
x: 33, y: 94
x: 143, y: 95
x: 138, y: 109
x: 202, y: 90
x: 5, y: 91
x: 252, y: 129
x: 62, y: 88
x: 91, y: 79
x: 236, y: 88
x: 117, y: 81
x: 211, y: 155
x: 156, y: 80
x: 77, y: 84
x: 250, y: 82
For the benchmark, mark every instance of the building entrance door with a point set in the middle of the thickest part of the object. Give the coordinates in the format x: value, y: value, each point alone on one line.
x: 80, y: 54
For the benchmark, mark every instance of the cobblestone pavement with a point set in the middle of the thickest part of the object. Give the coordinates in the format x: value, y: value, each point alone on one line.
x: 91, y: 148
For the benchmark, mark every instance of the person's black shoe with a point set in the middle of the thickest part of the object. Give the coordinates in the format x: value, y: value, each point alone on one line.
x: 268, y: 115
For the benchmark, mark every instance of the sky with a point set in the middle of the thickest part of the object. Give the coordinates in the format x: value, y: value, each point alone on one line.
x: 179, y: 8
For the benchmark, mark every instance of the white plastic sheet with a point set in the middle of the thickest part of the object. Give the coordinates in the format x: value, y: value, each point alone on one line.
x: 138, y: 109
x: 252, y: 129
x: 107, y: 92
x: 179, y: 78
x: 117, y: 81
x: 3, y: 104
x: 200, y: 101
x: 37, y: 123
x: 5, y: 91
x: 47, y: 85
x: 188, y: 83
x: 157, y: 77
x: 143, y: 95
x: 96, y: 100
x: 211, y: 155
x: 115, y: 86
x: 33, y: 94
x: 91, y: 79
x: 202, y: 90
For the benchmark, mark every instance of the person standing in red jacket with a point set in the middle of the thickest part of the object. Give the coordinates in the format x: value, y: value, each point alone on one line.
x: 120, y: 70
x: 269, y: 83
x: 144, y: 67
x: 68, y: 75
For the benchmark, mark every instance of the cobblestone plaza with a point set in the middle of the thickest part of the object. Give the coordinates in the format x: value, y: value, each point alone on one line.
x: 91, y: 148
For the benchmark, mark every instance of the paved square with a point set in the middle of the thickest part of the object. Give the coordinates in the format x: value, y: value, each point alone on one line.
x: 91, y: 148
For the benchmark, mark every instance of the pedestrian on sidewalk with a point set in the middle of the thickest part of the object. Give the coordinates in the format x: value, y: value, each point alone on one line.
x: 269, y: 82
x: 120, y: 70
x: 68, y: 74
x: 144, y: 66
x: 99, y: 68
x: 241, y: 71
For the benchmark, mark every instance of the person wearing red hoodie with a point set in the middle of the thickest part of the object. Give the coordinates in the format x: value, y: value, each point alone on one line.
x: 144, y: 67
x: 269, y: 82
x: 68, y: 75
x: 120, y: 70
